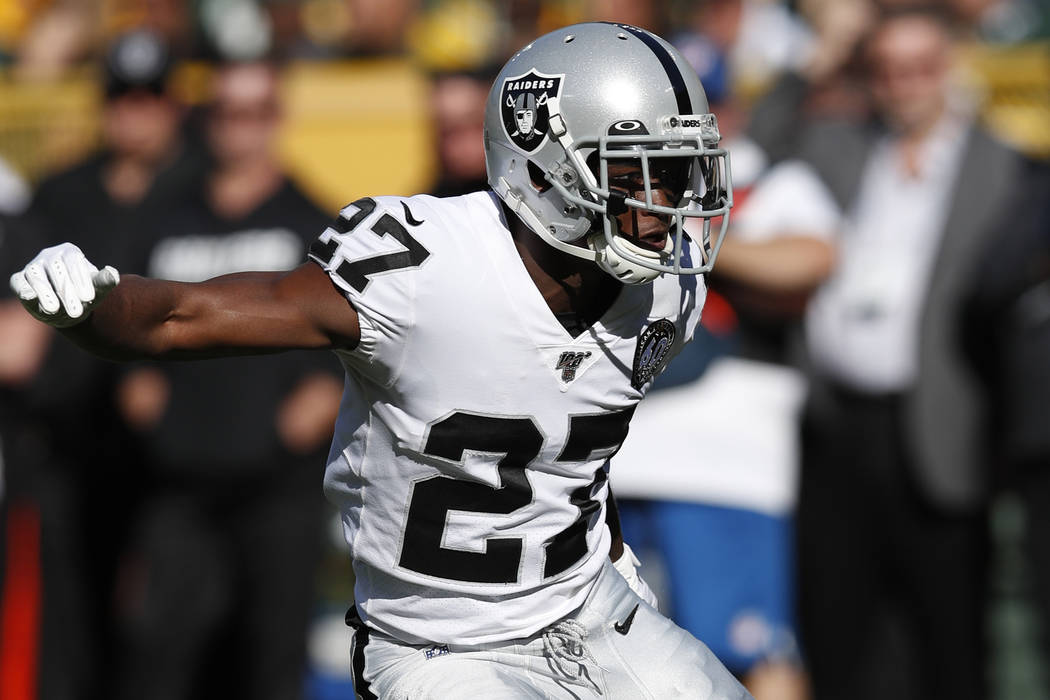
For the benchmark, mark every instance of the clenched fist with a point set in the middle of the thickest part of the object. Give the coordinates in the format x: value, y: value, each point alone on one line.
x: 60, y: 286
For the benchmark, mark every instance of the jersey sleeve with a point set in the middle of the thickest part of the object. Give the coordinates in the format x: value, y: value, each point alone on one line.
x: 374, y: 261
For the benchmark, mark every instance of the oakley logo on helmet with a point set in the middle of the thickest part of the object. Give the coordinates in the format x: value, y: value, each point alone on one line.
x: 523, y: 106
x: 626, y: 127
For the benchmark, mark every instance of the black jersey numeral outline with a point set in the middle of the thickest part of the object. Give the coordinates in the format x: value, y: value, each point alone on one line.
x: 590, y: 437
x: 358, y: 273
x: 519, y: 440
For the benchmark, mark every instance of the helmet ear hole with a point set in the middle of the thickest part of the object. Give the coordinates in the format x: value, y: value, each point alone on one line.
x: 539, y: 180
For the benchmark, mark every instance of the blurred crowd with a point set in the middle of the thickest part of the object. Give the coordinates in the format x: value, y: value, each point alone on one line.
x: 813, y: 484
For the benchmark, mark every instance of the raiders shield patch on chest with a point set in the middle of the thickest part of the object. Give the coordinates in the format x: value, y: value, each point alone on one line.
x: 523, y: 106
x: 654, y: 345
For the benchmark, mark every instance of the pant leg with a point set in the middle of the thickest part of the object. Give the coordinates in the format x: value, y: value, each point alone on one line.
x: 384, y: 667
x: 644, y: 654
x: 1033, y: 488
x: 627, y: 651
x: 178, y: 591
x: 944, y: 563
x: 279, y: 533
x: 840, y: 518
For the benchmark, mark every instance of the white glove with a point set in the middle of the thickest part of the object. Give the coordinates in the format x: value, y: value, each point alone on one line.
x: 60, y: 286
x: 627, y: 565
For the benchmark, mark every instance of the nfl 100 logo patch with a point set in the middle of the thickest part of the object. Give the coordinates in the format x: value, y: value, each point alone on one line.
x: 654, y: 345
x: 524, y: 107
x: 568, y: 363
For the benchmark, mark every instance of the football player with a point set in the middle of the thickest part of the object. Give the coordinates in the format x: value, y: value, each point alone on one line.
x: 495, y: 347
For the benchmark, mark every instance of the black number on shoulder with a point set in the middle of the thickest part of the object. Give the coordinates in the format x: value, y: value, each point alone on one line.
x: 365, y: 206
x: 358, y: 273
x: 519, y: 440
x: 342, y: 224
x: 590, y: 437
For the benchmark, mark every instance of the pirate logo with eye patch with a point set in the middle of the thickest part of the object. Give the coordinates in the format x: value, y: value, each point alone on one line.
x: 525, y: 107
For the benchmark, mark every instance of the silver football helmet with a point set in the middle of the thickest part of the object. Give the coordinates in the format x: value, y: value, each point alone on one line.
x: 576, y: 100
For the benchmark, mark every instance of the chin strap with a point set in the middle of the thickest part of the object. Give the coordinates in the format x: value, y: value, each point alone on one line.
x: 620, y: 267
x: 522, y: 210
x: 598, y: 249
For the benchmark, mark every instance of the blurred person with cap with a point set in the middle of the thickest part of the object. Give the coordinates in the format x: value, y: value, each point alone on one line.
x: 143, y: 162
x: 65, y: 452
x: 893, y: 496
x: 218, y: 579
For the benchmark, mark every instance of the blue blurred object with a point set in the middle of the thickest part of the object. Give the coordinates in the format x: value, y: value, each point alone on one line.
x: 320, y: 686
x: 709, y: 62
x: 729, y: 575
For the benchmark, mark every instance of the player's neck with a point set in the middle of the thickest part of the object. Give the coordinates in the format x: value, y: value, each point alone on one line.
x: 568, y: 284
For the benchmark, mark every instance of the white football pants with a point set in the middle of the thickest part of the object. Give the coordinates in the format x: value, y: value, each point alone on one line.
x: 615, y: 647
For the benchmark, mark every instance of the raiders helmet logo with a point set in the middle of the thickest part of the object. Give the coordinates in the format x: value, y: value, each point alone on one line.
x: 524, y: 107
x: 650, y: 356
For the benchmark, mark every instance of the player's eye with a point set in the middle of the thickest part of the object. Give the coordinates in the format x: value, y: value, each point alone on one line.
x: 632, y: 182
x: 671, y: 174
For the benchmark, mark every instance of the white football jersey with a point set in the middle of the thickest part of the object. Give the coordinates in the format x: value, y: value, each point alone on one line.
x: 470, y: 449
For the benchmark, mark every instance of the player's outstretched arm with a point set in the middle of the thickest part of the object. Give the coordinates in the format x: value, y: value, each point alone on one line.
x: 134, y: 317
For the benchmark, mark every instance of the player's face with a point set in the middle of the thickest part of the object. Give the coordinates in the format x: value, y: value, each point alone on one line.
x: 669, y: 179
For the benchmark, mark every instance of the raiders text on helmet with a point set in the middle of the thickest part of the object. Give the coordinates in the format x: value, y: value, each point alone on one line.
x: 576, y: 99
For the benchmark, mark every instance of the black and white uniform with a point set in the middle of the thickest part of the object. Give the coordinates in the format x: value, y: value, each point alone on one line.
x: 469, y: 465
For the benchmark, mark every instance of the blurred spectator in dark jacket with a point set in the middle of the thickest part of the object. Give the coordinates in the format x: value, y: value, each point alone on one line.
x: 65, y: 451
x: 21, y: 348
x: 1007, y: 325
x: 892, y: 505
x: 217, y: 587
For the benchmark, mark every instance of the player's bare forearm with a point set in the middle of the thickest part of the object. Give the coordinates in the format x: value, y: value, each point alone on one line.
x: 241, y: 314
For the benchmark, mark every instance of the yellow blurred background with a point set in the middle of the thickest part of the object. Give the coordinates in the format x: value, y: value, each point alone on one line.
x: 359, y: 124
